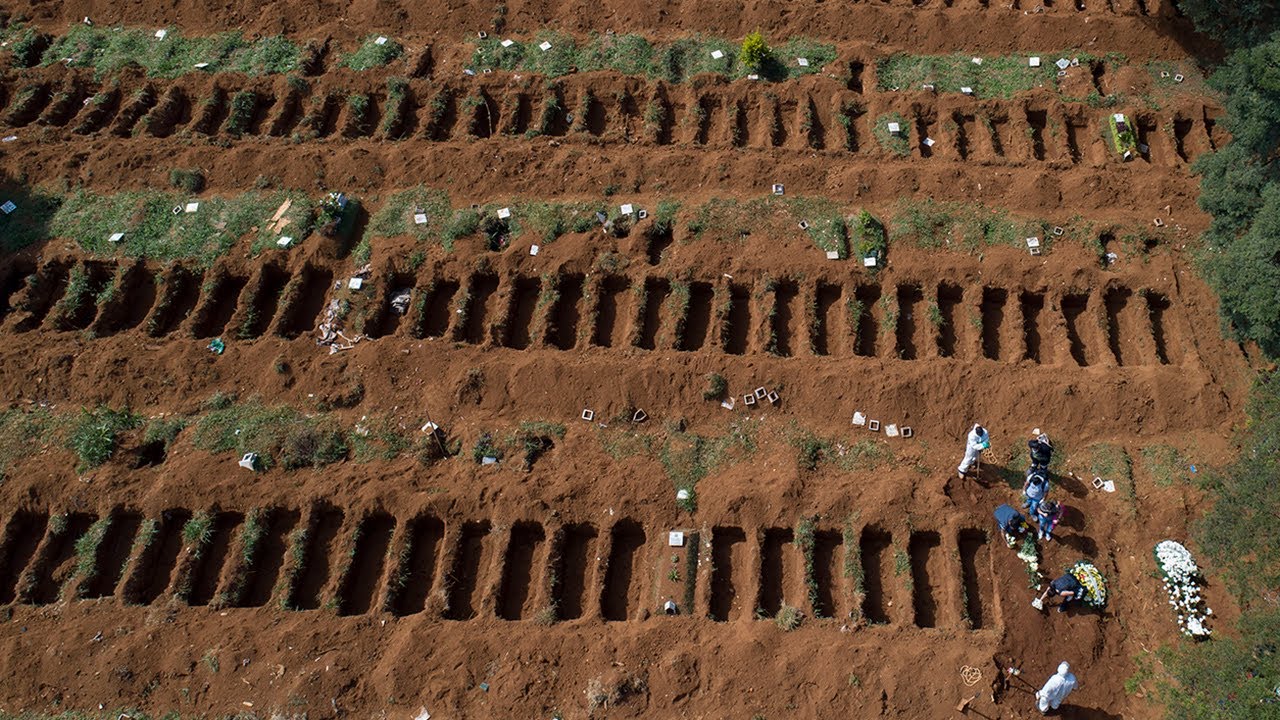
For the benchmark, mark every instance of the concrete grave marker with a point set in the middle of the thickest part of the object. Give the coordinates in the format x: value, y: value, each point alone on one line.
x: 545, y: 46
x: 1057, y: 230
x: 588, y: 415
x: 907, y: 432
x: 928, y: 142
x: 9, y: 138
x: 682, y: 494
x: 420, y: 218
x: 893, y: 128
x: 1164, y: 73
x: 1178, y: 78
x: 200, y: 65
x: 928, y: 87
x: 177, y: 209
x: 488, y: 71
x: 669, y: 607
x: 891, y: 430
x: 468, y: 71
x: 1033, y: 242
x: 802, y: 62
x: 533, y: 249
x: 966, y: 90
x: 1158, y: 222
x: 285, y: 241
x: 161, y: 33
x: 761, y: 393
x: 508, y: 43
x: 977, y: 61
x: 1063, y: 63
x: 777, y: 189
x: 381, y: 40
x: 804, y: 224
x: 1062, y: 73
x: 1034, y: 61
x: 355, y: 283
x: 626, y: 209
x: 639, y: 416
x: 675, y: 538
x: 115, y: 237
x: 833, y: 254
x: 753, y: 76
x: 479, y: 33
x: 869, y: 261
x: 1075, y: 62
x: 642, y: 214
x: 716, y: 54
x: 773, y: 396
x: 488, y: 460
x: 728, y: 404
x: 249, y: 461
x: 873, y: 425
x: 749, y: 399
x: 504, y: 213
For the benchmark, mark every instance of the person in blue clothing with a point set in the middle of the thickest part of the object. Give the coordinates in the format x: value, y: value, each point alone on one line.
x: 1011, y: 523
x: 1034, y: 490
x: 1047, y: 517
x: 1066, y: 586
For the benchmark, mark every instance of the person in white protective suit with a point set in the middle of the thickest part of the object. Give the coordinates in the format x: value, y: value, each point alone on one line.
x: 977, y: 441
x: 1056, y: 689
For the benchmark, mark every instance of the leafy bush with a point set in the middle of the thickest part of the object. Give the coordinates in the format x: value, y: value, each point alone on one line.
x: 755, y: 51
x: 717, y: 386
x: 311, y: 446
x: 95, y: 434
x: 372, y: 55
x: 1236, y: 23
x: 190, y: 180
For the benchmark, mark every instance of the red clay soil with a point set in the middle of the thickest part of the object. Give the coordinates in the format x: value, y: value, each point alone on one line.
x: 1129, y: 355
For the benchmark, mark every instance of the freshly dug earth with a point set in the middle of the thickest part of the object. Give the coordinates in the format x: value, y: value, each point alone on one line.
x: 486, y: 591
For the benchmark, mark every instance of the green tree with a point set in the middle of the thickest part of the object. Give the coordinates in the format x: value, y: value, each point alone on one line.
x: 1234, y: 23
x: 755, y: 51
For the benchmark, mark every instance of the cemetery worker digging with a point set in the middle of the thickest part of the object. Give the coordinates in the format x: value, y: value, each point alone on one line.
x: 1040, y: 449
x: 1034, y: 490
x: 1047, y: 517
x: 1056, y: 689
x: 1068, y: 587
x: 1011, y: 523
x: 975, y: 443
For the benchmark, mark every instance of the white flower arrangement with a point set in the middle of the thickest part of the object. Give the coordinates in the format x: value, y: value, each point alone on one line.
x: 1182, y: 583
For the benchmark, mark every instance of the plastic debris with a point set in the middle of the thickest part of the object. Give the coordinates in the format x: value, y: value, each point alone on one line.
x: 8, y: 207
x: 216, y: 346
x: 400, y: 300
x: 249, y: 461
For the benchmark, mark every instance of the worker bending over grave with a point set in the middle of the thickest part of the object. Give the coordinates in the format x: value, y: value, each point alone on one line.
x: 1011, y: 523
x: 1041, y: 451
x: 1056, y: 689
x: 977, y: 441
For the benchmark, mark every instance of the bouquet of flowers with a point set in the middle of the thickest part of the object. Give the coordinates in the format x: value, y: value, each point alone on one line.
x: 1030, y: 554
x: 1182, y: 582
x: 1095, y: 586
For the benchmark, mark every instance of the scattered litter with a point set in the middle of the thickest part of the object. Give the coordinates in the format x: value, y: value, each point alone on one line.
x: 893, y: 128
x: 891, y: 430
x: 928, y: 87
x: 626, y: 209
x: 869, y: 261
x: 601, y: 217
x: 639, y: 416
x: 201, y: 65
x: 749, y: 399
x: 1034, y: 61
x: 802, y: 62
x: 682, y: 494
x: 675, y: 538
x: 1112, y: 258
x: 191, y: 207
x: 8, y: 207
x: 873, y: 425
x: 1144, y: 148
x: 588, y: 415
x: 9, y: 138
x: 907, y: 432
x: 419, y: 218
x: 533, y: 249
x: 1158, y: 222
x: 966, y: 90
x: 778, y: 188
x: 928, y: 142
x: 87, y: 21
x: 424, y: 715
x: 216, y: 346
x: 115, y: 237
x: 488, y: 460
x: 504, y: 213
x: 669, y: 607
x: 468, y: 71
x: 488, y: 71
x: 753, y: 76
x: 284, y: 241
x: 430, y: 427
x: 355, y: 283
x: 1178, y: 78
x: 1075, y: 62
x: 249, y: 461
x: 859, y: 419
x: 1063, y: 63
x: 161, y: 33
x: 545, y: 46
x: 833, y: 254
x: 1062, y: 73
x: 507, y: 43
x: 484, y: 687
x: 1128, y: 155
x: 977, y: 61
x: 381, y: 40
x: 716, y: 54
x: 400, y: 300
x: 1164, y: 73
x: 330, y: 334
x: 727, y: 404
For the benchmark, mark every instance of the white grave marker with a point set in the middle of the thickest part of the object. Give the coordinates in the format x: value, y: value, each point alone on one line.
x: 966, y: 90
x: 355, y: 283
x: 533, y: 249
x: 716, y: 54
x: 1063, y: 63
x: 382, y: 40
x: 869, y: 261
x: 977, y: 61
x: 191, y: 207
x: 161, y: 33
x: 675, y: 538
x: 1034, y: 61
x: 508, y: 43
x: 545, y: 46
x: 115, y: 237
x: 928, y: 142
x: 419, y: 218
x: 833, y: 254
x: 626, y: 209
x: 894, y: 128
x: 285, y: 241
x: 504, y: 213
x: 802, y: 62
